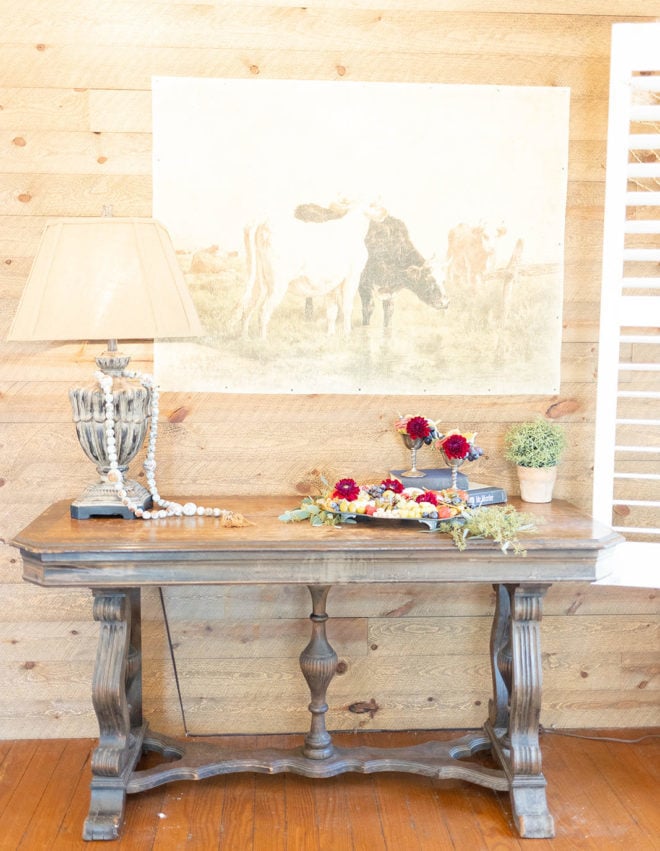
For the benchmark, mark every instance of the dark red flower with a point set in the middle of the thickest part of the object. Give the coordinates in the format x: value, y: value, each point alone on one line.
x: 418, y: 427
x: 392, y: 485
x: 455, y: 446
x: 427, y: 496
x: 346, y: 489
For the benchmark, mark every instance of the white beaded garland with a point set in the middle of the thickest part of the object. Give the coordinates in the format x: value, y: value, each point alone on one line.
x: 168, y: 508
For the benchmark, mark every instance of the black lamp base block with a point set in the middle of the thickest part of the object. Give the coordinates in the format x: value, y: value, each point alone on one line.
x: 101, y: 500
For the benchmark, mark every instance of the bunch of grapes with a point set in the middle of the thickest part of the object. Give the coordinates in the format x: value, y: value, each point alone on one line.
x: 434, y: 435
x: 474, y: 453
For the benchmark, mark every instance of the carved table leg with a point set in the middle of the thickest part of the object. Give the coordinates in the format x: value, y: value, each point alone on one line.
x: 318, y: 662
x: 116, y: 695
x: 518, y: 681
x: 500, y: 658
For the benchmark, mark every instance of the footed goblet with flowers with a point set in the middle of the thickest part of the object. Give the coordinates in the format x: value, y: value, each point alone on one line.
x: 456, y: 449
x: 415, y: 431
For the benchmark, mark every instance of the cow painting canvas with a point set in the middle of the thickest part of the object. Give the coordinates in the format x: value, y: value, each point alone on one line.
x: 342, y: 237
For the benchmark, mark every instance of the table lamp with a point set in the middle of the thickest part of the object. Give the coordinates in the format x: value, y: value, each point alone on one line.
x: 107, y: 278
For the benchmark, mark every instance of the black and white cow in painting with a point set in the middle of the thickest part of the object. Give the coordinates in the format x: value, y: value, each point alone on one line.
x: 394, y: 264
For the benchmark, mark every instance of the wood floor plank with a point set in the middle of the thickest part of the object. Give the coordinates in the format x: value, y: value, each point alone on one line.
x: 269, y: 831
x: 301, y: 817
x: 492, y: 815
x: 363, y: 813
x: 5, y: 747
x: 397, y: 821
x: 330, y: 806
x: 608, y: 818
x: 426, y: 816
x: 569, y: 800
x: 57, y: 796
x: 143, y: 815
x: 237, y: 825
x: 69, y: 832
x: 453, y: 800
x: 14, y: 766
x: 602, y: 795
x: 633, y: 775
x: 31, y: 787
x: 173, y: 830
x: 420, y: 817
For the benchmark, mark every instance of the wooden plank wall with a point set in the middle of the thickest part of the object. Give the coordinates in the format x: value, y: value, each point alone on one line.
x: 75, y: 134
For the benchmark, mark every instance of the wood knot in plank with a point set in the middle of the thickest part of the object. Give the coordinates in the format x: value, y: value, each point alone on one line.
x: 575, y: 605
x: 402, y: 610
x: 19, y: 141
x: 178, y: 415
x: 561, y: 408
x: 363, y: 707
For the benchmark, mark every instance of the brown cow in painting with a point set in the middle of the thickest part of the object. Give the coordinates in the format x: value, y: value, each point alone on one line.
x: 476, y: 253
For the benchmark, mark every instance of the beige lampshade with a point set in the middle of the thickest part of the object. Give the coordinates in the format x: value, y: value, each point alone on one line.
x: 105, y: 278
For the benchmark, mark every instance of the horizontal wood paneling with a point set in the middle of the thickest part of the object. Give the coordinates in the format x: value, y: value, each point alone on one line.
x: 75, y: 134
x: 117, y: 67
x: 446, y: 671
x: 44, y: 109
x: 300, y: 28
x: 75, y: 195
x: 63, y: 152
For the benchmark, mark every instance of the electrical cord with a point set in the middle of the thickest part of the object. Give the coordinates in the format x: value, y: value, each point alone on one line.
x: 543, y: 729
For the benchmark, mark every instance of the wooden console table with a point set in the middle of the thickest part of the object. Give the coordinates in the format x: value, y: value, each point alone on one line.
x: 116, y: 557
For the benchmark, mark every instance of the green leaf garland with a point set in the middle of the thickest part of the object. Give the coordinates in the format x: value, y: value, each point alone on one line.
x: 499, y: 523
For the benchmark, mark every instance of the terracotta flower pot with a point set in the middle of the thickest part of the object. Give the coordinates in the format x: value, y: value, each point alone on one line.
x: 536, y: 483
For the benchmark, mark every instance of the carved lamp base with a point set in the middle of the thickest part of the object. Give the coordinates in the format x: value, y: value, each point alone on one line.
x: 131, y: 420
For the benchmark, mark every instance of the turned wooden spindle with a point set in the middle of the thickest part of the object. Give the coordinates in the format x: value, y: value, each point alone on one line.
x: 318, y: 662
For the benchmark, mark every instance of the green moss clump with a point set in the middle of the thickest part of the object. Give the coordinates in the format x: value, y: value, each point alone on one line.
x: 535, y: 444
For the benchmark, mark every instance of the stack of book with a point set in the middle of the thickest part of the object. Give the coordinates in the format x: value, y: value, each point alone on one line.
x: 440, y: 478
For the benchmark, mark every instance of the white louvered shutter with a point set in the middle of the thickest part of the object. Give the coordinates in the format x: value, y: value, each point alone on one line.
x: 627, y: 452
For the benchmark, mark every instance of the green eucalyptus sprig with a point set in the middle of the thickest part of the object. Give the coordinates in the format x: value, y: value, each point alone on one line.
x: 310, y: 510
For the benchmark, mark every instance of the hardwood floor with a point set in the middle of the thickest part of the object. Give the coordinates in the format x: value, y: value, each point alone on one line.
x: 603, y: 795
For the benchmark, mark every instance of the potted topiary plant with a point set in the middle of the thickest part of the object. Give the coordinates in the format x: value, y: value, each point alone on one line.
x: 535, y: 448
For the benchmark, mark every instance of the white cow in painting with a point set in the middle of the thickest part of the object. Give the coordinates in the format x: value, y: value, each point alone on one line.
x: 311, y: 259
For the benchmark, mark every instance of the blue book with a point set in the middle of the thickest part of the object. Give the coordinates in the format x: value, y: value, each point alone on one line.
x: 485, y: 495
x: 433, y: 480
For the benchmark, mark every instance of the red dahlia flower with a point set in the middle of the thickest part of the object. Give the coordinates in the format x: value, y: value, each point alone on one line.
x: 427, y: 496
x: 346, y: 489
x: 392, y: 485
x: 455, y: 446
x: 418, y: 427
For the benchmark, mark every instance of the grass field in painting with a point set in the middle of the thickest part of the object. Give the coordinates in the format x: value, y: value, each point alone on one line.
x: 477, y: 345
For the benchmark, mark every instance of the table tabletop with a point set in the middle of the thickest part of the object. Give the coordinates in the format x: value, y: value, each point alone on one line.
x: 58, y: 550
